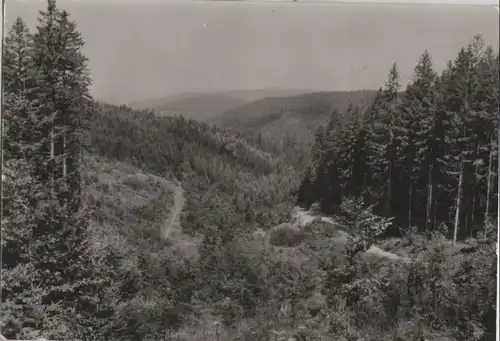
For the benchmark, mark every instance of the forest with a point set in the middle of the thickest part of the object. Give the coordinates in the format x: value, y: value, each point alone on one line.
x: 415, y: 174
x: 427, y: 156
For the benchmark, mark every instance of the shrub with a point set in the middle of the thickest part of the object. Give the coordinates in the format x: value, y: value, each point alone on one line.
x: 134, y: 182
x: 286, y: 235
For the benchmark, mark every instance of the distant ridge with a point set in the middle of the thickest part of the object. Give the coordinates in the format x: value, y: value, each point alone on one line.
x: 204, y: 106
x: 294, y: 116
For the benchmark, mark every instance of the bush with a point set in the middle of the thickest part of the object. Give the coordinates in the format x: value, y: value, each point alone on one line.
x: 286, y: 235
x: 135, y: 182
x: 363, y: 223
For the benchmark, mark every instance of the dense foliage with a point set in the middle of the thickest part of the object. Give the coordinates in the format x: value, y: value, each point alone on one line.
x: 50, y: 274
x: 427, y: 156
x: 229, y: 180
x: 82, y: 229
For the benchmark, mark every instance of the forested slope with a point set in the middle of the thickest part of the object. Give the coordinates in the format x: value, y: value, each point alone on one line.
x: 83, y: 217
x: 427, y: 156
x: 292, y: 117
x: 219, y: 171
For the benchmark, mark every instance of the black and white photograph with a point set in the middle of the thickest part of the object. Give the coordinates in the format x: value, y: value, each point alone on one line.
x: 225, y: 170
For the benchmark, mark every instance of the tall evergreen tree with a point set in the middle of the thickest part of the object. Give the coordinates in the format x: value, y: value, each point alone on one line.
x: 21, y: 298
x: 488, y: 102
x: 382, y: 142
x: 428, y: 157
x: 19, y: 87
x: 346, y: 163
x: 59, y: 248
x: 65, y: 90
x: 415, y: 135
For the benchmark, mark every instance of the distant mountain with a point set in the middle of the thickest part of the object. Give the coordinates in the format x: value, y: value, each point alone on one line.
x: 151, y: 103
x: 206, y: 106
x: 294, y: 116
x: 200, y: 107
x: 256, y: 94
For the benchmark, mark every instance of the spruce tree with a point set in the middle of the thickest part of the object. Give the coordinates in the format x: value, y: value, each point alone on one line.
x: 61, y: 237
x: 459, y: 106
x: 19, y: 87
x: 415, y: 135
x: 346, y: 163
x: 488, y: 99
x: 21, y: 296
x: 382, y: 142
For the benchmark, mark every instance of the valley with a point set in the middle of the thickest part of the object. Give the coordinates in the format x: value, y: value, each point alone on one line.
x: 247, y: 215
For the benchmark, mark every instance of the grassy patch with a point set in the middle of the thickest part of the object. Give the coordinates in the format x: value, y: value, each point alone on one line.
x: 127, y: 201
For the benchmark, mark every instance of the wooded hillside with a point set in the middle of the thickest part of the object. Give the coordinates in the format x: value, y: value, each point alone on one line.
x: 427, y: 156
x: 88, y: 188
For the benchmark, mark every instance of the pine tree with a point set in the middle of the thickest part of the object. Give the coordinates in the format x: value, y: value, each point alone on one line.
x: 382, y: 142
x: 492, y: 185
x: 369, y: 131
x: 22, y: 298
x: 60, y: 246
x: 17, y: 70
x: 428, y: 157
x: 330, y: 186
x: 461, y: 86
x: 348, y: 143
x: 309, y: 188
x: 18, y: 76
x: 485, y: 127
x: 64, y: 88
x: 359, y: 168
x: 415, y: 134
x: 19, y: 300
x: 478, y: 139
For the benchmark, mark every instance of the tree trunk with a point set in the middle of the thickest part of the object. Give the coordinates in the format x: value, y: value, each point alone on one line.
x: 474, y: 194
x: 389, y: 192
x: 52, y: 156
x: 466, y: 208
x: 434, y: 213
x: 459, y: 196
x: 64, y: 153
x: 473, y: 219
x: 429, y: 200
x: 52, y: 142
x: 488, y: 189
x: 410, y: 205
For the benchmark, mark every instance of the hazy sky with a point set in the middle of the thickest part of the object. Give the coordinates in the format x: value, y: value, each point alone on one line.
x: 142, y: 50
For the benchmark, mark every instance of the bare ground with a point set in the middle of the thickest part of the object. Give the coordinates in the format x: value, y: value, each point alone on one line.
x: 302, y: 218
x: 172, y: 229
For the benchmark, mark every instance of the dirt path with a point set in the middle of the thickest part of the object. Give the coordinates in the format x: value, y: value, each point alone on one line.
x: 186, y: 244
x: 173, y: 222
x: 302, y: 217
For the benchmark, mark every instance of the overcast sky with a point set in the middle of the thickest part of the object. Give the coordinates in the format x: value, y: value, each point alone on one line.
x: 142, y: 50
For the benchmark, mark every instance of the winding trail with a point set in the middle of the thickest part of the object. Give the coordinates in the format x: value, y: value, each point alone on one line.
x: 302, y: 218
x: 173, y: 222
x: 172, y: 232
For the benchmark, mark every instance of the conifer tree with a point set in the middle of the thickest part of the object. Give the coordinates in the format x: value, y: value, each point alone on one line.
x: 346, y: 163
x: 359, y: 168
x: 452, y: 108
x: 64, y: 87
x: 60, y: 246
x: 382, y: 142
x: 415, y: 135
x: 428, y: 157
x: 18, y: 76
x: 21, y: 298
x: 371, y: 128
x: 488, y: 101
